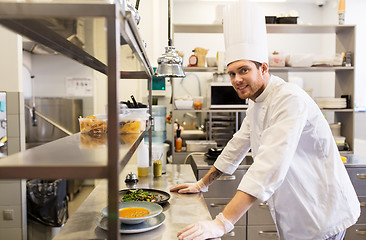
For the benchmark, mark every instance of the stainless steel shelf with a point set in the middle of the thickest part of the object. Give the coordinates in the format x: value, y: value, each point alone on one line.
x: 74, y: 157
x: 29, y: 24
x: 271, y: 28
x: 200, y: 69
x: 210, y: 110
x: 277, y: 69
x: 309, y: 69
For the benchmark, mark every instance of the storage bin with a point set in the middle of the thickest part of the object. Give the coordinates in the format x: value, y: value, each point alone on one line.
x: 133, y: 122
x: 286, y: 20
x: 198, y: 102
x: 271, y: 19
x: 94, y: 124
x: 183, y: 104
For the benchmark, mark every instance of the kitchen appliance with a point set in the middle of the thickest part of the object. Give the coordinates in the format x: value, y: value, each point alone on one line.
x: 200, y: 145
x: 223, y: 95
x: 213, y: 153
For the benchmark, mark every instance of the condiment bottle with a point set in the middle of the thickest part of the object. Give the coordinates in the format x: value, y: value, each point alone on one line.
x: 178, y: 141
x: 193, y: 60
x: 143, y: 160
x: 341, y: 11
x: 158, y: 168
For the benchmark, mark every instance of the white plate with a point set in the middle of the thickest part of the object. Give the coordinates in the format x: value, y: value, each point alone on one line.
x: 154, y: 209
x: 147, y: 225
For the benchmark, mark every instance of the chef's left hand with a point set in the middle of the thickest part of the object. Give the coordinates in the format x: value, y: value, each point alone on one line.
x: 202, y: 230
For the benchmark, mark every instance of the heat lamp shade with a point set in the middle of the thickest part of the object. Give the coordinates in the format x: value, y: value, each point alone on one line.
x: 170, y: 64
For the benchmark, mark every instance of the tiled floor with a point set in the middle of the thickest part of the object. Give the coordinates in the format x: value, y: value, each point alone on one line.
x: 79, y: 198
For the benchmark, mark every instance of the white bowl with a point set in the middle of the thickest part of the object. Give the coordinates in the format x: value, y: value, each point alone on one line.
x: 154, y: 209
x: 183, y: 104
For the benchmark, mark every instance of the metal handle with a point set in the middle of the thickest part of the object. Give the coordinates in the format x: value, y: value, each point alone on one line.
x: 268, y: 233
x: 48, y: 120
x: 358, y: 175
x: 227, y: 178
x: 263, y: 205
x: 217, y: 204
x: 361, y: 232
x: 363, y: 204
x: 3, y: 123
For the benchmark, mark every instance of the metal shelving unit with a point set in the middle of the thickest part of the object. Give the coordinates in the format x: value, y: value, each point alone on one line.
x: 70, y: 157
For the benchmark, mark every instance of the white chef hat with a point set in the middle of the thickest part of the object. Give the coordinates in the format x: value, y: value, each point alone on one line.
x: 245, y: 32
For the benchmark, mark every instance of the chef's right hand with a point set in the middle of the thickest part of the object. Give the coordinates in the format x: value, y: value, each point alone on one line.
x: 190, y: 187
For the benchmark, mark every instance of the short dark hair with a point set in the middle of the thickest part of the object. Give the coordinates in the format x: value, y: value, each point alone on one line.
x: 257, y: 64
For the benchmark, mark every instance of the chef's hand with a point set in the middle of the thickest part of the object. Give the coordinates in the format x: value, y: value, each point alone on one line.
x: 190, y: 187
x: 206, y: 229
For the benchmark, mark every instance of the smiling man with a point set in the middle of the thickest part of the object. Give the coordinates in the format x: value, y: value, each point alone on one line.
x: 248, y: 78
x: 296, y: 166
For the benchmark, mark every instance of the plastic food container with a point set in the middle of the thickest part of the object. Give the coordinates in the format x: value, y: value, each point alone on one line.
x: 299, y: 60
x: 138, y: 110
x: 198, y: 103
x: 211, y: 62
x: 133, y: 123
x: 94, y: 124
x: 183, y: 104
x: 336, y: 129
x: 277, y: 60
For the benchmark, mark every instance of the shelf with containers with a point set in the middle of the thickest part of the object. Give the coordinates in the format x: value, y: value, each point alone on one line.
x: 79, y: 156
x: 343, y: 38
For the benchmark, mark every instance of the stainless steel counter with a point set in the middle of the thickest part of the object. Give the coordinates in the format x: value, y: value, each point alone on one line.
x: 355, y: 161
x: 200, y: 162
x: 182, y: 209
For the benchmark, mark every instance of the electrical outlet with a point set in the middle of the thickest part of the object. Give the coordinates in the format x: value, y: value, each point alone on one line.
x: 8, y: 214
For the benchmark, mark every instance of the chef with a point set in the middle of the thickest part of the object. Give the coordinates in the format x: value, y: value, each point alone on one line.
x: 296, y: 166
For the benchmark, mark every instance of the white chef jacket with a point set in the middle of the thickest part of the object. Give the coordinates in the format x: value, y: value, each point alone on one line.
x: 297, y: 168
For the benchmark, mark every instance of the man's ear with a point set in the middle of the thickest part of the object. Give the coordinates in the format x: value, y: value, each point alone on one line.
x: 264, y: 67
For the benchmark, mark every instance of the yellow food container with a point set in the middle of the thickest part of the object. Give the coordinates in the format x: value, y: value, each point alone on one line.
x: 93, y: 125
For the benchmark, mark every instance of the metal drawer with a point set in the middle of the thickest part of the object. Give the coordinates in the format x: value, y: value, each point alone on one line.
x: 358, y: 178
x: 362, y: 218
x: 217, y: 205
x: 238, y: 233
x: 356, y: 232
x: 262, y: 232
x: 223, y: 187
x: 259, y: 214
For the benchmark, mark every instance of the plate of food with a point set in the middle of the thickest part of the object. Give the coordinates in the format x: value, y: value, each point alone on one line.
x: 147, y: 225
x: 144, y: 194
x: 136, y: 212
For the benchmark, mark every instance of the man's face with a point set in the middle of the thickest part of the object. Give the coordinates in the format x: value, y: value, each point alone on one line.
x: 246, y: 78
